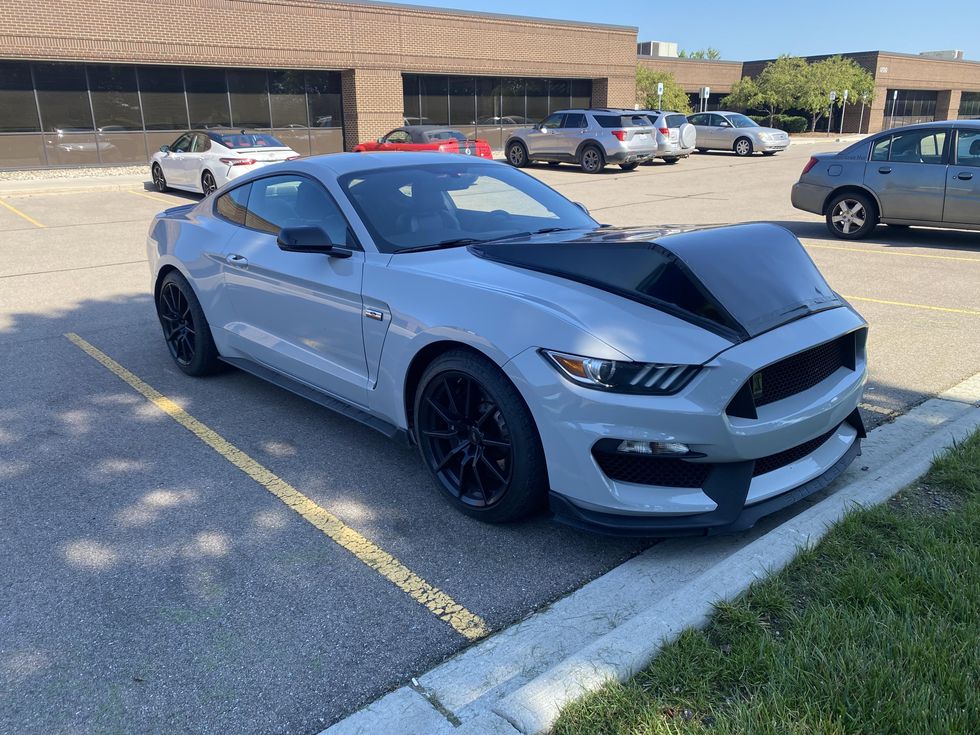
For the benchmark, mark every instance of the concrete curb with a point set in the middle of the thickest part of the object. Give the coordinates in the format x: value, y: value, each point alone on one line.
x: 517, y: 681
x: 73, y: 185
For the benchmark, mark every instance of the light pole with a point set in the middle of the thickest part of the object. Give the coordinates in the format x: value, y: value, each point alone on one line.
x: 891, y: 120
x: 830, y: 111
x: 843, y: 109
x: 864, y: 100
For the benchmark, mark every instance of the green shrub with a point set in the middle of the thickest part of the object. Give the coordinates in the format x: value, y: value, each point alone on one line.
x: 789, y: 123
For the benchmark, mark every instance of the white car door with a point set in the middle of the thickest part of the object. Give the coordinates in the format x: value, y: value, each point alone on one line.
x: 175, y: 161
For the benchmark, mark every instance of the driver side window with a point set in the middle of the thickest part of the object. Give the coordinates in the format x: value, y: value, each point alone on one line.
x: 398, y: 136
x: 295, y: 201
x: 552, y: 121
x: 182, y: 144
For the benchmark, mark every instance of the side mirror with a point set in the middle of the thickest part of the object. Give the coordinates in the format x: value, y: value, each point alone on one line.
x: 725, y: 124
x: 543, y: 128
x: 309, y: 240
x: 165, y: 149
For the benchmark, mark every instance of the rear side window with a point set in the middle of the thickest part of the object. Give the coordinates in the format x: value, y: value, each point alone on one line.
x: 675, y: 121
x: 574, y: 120
x: 232, y: 205
x: 699, y: 119
x: 880, y: 150
x: 622, y: 121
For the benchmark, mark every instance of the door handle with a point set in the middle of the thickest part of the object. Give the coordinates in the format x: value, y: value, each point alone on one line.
x: 239, y: 261
x: 964, y: 176
x: 884, y: 170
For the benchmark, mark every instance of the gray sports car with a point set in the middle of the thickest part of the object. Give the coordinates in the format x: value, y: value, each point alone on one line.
x: 641, y: 381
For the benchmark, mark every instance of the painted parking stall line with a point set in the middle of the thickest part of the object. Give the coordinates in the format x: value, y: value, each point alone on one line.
x: 433, y: 599
x: 16, y: 211
x: 928, y: 307
x: 875, y: 251
x: 172, y: 202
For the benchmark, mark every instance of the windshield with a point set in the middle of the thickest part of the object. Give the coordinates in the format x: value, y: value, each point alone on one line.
x: 248, y: 140
x: 420, y: 206
x: 741, y: 121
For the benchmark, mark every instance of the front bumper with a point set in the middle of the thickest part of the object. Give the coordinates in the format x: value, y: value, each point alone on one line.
x: 572, y: 419
x: 772, y: 146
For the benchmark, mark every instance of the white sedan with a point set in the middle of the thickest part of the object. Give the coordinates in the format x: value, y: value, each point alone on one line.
x: 201, y: 161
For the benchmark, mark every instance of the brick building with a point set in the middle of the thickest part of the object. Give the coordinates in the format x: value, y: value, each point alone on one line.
x: 110, y: 81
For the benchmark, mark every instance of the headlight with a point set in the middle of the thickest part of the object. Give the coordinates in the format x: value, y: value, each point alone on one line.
x: 622, y: 377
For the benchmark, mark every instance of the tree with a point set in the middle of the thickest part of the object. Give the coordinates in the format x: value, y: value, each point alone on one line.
x: 675, y: 98
x: 834, y: 74
x: 777, y: 88
x: 703, y: 53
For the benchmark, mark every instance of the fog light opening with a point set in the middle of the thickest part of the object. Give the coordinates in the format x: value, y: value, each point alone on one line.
x: 632, y: 446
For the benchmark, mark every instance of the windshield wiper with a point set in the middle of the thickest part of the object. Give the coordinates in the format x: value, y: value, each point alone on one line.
x: 456, y: 242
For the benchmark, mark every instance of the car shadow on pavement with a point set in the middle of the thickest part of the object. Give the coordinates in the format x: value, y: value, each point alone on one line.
x: 188, y: 195
x: 896, y: 237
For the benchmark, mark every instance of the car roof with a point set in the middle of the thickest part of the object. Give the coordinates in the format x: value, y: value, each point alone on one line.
x: 338, y: 164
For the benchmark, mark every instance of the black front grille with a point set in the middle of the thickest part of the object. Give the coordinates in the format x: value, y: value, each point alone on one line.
x: 647, y: 470
x: 788, y: 456
x: 793, y: 375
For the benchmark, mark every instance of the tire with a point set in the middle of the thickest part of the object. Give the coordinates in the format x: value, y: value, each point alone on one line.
x: 591, y: 160
x: 208, y: 184
x: 471, y: 421
x: 629, y: 166
x: 851, y: 216
x: 743, y: 147
x: 185, y: 328
x: 671, y: 161
x: 517, y: 154
x: 159, y: 180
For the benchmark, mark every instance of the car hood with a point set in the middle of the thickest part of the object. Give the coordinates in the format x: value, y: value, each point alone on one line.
x: 659, y: 295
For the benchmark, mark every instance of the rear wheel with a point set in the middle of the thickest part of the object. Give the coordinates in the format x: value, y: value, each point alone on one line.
x: 591, y: 160
x: 628, y: 166
x: 159, y: 180
x: 477, y: 437
x: 851, y: 216
x: 208, y: 184
x: 517, y: 154
x: 185, y: 329
x: 743, y: 147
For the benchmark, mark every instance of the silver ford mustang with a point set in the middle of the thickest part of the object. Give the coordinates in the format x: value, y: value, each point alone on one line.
x: 645, y: 382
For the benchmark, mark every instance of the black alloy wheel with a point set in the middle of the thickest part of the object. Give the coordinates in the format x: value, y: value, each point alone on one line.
x: 591, y: 160
x: 185, y: 330
x: 159, y: 180
x: 208, y: 184
x: 478, y: 439
x: 517, y: 155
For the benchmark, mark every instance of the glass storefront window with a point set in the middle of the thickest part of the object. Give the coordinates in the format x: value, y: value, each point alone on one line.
x: 559, y: 94
x: 249, y: 98
x: 207, y: 98
x: 462, y: 101
x: 287, y: 98
x: 62, y: 95
x: 537, y: 99
x: 581, y: 93
x: 162, y: 94
x: 434, y: 100
x: 323, y: 94
x: 512, y: 100
x: 969, y: 105
x: 410, y: 94
x: 115, y: 101
x: 18, y: 110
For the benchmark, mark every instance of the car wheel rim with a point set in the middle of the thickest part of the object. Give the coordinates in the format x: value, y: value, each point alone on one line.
x: 209, y: 184
x: 178, y: 323
x: 590, y: 159
x: 465, y: 439
x: 516, y: 155
x: 158, y: 181
x: 849, y: 216
x: 742, y: 148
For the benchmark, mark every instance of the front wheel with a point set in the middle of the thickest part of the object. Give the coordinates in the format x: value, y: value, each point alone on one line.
x: 208, y: 184
x: 591, y: 160
x: 159, y: 180
x: 629, y: 166
x: 478, y: 439
x: 185, y: 330
x: 851, y: 216
x: 743, y: 147
x: 517, y: 154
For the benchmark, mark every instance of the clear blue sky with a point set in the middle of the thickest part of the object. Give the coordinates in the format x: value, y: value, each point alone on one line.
x: 793, y: 26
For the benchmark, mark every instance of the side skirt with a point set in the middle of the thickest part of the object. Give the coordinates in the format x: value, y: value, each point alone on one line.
x: 319, y: 397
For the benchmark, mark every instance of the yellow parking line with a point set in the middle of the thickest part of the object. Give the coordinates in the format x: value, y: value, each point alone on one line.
x: 436, y: 601
x: 871, y: 251
x: 971, y: 312
x: 154, y: 198
x: 16, y: 211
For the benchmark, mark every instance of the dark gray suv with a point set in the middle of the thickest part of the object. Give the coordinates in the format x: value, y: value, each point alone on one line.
x: 926, y: 175
x: 589, y: 137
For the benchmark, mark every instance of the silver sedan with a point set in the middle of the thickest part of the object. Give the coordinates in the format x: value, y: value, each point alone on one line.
x: 733, y: 131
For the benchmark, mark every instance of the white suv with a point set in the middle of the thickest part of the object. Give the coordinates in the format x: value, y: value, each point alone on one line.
x: 676, y: 137
x: 589, y: 137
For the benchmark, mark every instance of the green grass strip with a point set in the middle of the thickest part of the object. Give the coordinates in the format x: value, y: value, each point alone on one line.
x: 875, y: 630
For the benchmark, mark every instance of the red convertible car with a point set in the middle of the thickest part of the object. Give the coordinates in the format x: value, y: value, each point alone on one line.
x: 428, y: 138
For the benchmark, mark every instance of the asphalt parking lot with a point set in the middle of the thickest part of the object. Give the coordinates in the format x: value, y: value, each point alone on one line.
x: 157, y: 577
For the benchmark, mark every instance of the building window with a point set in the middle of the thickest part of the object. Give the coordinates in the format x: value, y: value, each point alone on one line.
x: 62, y: 95
x: 162, y: 94
x: 115, y: 100
x: 207, y: 98
x: 434, y: 100
x: 910, y: 106
x: 323, y: 93
x: 969, y: 105
x: 18, y: 110
x: 287, y: 98
x: 249, y: 99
